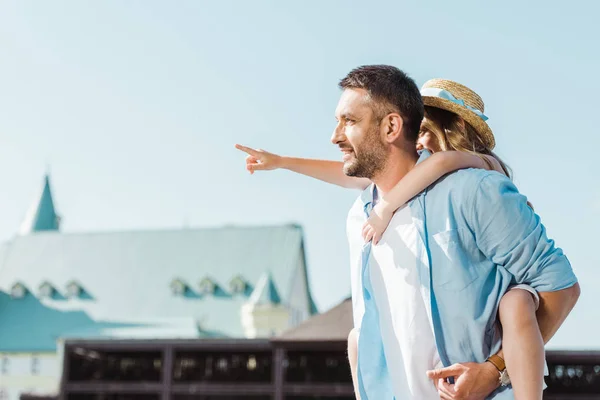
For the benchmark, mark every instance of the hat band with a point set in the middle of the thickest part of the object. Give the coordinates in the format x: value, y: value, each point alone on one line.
x: 446, y: 95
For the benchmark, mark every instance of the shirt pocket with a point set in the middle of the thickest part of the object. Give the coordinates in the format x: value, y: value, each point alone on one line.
x: 454, y: 268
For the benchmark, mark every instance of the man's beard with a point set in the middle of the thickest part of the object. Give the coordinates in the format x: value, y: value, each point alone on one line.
x: 370, y: 157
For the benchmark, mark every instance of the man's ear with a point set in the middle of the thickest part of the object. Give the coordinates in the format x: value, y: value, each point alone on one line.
x: 391, y: 127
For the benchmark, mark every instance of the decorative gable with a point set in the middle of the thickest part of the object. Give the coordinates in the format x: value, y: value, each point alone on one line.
x: 264, y: 315
x: 178, y: 287
x: 265, y: 291
x: 18, y: 291
x: 74, y: 289
x: 207, y: 286
x: 46, y: 289
x: 238, y: 285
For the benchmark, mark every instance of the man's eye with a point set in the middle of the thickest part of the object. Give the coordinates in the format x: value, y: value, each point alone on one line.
x: 350, y: 121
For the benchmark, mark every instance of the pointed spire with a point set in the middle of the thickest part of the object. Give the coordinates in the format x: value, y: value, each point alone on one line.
x: 42, y: 215
x: 265, y: 291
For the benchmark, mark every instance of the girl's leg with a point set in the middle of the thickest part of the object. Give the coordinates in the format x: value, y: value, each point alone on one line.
x: 353, y: 359
x: 522, y: 344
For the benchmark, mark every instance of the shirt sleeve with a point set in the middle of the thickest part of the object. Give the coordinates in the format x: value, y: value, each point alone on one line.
x: 510, y: 234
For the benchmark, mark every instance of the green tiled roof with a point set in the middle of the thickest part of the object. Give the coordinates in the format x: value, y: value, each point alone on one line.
x: 127, y: 276
x: 170, y: 329
x: 28, y: 325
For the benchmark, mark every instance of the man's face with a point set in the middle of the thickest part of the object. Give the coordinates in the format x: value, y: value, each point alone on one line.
x: 358, y: 135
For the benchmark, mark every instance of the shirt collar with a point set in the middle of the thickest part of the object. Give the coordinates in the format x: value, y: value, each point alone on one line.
x: 369, y: 195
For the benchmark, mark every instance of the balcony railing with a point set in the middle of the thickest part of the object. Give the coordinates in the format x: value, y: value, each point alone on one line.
x: 253, y: 370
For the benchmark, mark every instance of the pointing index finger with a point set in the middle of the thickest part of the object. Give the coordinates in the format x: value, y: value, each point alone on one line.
x: 247, y: 150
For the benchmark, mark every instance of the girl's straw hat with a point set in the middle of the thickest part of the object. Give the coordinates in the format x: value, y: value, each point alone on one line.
x: 454, y: 97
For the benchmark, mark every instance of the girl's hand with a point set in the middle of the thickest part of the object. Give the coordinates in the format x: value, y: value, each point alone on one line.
x: 377, y: 223
x: 260, y: 160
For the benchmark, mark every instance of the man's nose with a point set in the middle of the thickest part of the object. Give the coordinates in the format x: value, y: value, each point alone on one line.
x: 338, y: 134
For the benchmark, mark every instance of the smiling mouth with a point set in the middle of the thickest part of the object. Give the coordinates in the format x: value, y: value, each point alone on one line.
x: 347, y: 154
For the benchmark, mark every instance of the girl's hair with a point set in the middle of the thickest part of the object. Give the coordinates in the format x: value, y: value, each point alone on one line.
x: 454, y: 133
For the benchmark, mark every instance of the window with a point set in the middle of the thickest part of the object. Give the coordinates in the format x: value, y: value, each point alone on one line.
x: 311, y: 366
x: 46, y: 290
x: 73, y: 289
x: 207, y: 286
x: 18, y: 291
x: 98, y: 366
x: 35, y: 365
x: 5, y: 365
x: 237, y: 285
x: 220, y: 366
x: 178, y: 287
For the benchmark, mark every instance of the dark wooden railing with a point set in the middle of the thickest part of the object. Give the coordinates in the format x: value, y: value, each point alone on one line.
x: 253, y: 370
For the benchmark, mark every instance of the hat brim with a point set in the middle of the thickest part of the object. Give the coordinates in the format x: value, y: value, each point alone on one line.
x: 482, y: 128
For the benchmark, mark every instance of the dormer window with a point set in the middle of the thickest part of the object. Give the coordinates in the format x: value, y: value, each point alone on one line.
x: 207, y: 286
x: 46, y: 290
x: 237, y: 285
x: 18, y: 291
x: 178, y: 287
x: 73, y: 289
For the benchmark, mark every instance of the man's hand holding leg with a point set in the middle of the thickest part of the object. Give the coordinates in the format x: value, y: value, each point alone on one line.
x: 472, y: 381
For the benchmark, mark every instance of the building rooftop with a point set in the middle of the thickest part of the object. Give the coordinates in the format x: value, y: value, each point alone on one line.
x: 70, y: 281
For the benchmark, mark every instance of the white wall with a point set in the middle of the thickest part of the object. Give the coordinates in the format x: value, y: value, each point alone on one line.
x: 28, y: 372
x: 299, y: 304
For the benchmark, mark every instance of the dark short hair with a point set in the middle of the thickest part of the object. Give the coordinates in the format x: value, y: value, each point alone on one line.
x: 393, y: 91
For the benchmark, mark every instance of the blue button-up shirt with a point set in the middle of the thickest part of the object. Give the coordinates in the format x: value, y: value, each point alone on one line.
x: 478, y: 236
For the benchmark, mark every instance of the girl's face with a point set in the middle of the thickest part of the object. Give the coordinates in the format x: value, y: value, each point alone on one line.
x: 428, y: 141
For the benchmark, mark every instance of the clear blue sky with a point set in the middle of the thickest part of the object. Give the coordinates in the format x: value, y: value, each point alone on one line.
x: 135, y: 107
